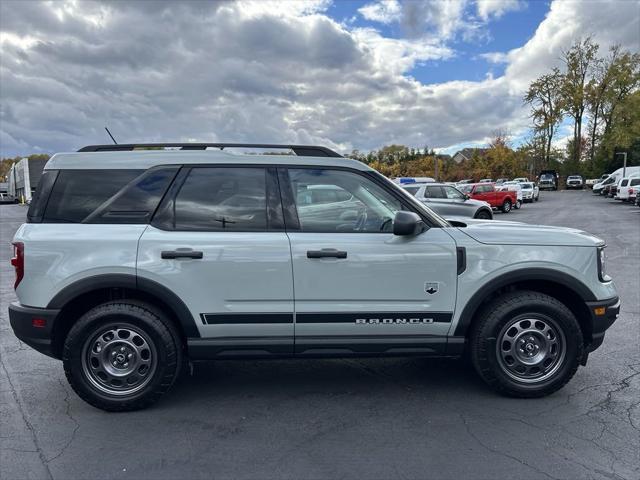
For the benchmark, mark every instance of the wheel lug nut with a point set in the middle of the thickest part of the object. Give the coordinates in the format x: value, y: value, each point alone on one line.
x: 130, y: 356
x: 122, y: 349
x: 126, y: 364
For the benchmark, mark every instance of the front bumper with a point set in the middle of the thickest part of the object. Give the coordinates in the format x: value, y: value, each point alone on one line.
x: 603, y: 314
x: 34, y: 326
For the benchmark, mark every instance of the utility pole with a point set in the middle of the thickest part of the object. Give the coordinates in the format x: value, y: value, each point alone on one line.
x: 624, y: 165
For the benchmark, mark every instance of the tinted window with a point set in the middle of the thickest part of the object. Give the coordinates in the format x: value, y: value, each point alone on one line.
x: 623, y: 183
x: 433, y: 191
x: 77, y: 193
x: 369, y: 208
x: 222, y: 199
x: 634, y: 182
x: 41, y: 196
x: 483, y: 189
x: 412, y: 190
x: 137, y: 202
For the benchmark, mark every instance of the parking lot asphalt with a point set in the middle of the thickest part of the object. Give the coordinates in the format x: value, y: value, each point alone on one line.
x: 356, y: 418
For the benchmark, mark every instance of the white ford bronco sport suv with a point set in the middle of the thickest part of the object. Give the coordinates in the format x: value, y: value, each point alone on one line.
x: 133, y: 262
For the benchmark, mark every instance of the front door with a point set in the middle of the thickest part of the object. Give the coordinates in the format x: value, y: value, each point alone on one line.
x: 218, y: 242
x: 358, y: 288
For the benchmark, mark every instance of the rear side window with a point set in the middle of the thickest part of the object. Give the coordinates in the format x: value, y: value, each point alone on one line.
x: 433, y: 192
x: 76, y: 194
x: 634, y: 182
x: 41, y: 196
x: 222, y: 199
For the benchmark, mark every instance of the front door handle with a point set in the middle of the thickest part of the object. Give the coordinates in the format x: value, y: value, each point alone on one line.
x: 180, y: 253
x: 326, y: 253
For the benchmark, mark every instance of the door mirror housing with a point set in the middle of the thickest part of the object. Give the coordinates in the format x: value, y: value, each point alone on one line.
x: 407, y: 223
x: 466, y: 196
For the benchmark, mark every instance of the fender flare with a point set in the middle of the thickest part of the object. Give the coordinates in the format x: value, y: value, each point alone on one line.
x: 150, y: 287
x: 545, y: 274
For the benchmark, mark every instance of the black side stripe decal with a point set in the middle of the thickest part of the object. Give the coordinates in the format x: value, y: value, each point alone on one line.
x: 240, y: 318
x: 390, y: 318
x: 376, y: 317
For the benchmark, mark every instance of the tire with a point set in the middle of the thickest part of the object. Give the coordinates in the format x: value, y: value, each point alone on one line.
x: 506, y: 206
x: 494, y: 344
x: 103, y: 343
x: 483, y: 215
x: 537, y: 198
x: 518, y: 205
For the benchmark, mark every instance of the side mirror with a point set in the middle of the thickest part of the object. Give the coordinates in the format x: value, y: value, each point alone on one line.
x: 407, y: 223
x: 466, y: 197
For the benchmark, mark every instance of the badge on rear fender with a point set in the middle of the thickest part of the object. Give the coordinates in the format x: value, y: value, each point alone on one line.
x: 431, y: 287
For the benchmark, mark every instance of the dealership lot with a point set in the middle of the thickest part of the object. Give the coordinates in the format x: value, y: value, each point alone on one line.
x: 370, y: 418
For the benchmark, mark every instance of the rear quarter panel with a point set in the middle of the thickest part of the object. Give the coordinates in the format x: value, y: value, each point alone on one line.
x: 57, y: 255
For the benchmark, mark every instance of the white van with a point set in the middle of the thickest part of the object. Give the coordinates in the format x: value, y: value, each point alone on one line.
x: 615, y: 177
x: 624, y: 184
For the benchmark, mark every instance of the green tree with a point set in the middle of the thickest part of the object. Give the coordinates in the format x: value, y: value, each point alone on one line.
x: 578, y: 63
x: 546, y: 101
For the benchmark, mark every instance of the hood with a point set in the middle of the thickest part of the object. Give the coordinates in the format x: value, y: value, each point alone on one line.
x: 495, y: 232
x: 473, y: 201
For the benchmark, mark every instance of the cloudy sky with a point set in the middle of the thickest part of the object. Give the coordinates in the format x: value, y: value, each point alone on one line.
x: 345, y: 74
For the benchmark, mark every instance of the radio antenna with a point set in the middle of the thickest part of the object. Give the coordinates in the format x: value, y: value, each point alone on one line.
x: 114, y: 140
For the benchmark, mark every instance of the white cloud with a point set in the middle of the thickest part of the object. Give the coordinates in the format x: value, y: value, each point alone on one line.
x: 496, y: 8
x: 161, y: 71
x: 383, y: 11
x: 495, y: 57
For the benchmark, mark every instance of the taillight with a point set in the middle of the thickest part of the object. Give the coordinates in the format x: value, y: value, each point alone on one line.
x: 18, y: 262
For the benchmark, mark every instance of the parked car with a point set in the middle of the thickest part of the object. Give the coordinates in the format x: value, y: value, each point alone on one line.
x: 548, y: 180
x: 520, y: 179
x: 633, y: 193
x: 486, y: 180
x: 504, y: 200
x: 575, y: 181
x: 133, y: 263
x: 624, y: 185
x: 500, y: 181
x: 530, y: 192
x: 515, y: 187
x: 448, y: 201
x: 6, y: 198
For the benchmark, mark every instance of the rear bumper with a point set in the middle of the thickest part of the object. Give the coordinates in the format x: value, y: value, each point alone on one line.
x: 603, y: 314
x: 37, y: 337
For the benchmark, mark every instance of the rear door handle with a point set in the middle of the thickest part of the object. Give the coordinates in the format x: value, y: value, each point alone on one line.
x: 181, y: 253
x: 326, y: 253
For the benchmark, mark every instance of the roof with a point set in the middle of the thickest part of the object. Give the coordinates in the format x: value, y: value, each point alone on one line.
x: 468, y: 153
x: 143, y: 159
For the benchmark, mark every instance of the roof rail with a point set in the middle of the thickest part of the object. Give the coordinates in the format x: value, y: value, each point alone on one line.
x: 299, y: 150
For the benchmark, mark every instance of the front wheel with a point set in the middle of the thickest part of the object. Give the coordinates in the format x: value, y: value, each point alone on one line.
x: 526, y: 344
x: 518, y: 205
x: 484, y: 215
x: 122, y: 355
x: 506, y: 206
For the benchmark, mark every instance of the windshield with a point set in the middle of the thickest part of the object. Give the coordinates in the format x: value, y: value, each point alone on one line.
x: 574, y: 177
x: 546, y: 176
x: 526, y: 186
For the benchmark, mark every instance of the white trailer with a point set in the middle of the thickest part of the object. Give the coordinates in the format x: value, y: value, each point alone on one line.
x: 24, y: 177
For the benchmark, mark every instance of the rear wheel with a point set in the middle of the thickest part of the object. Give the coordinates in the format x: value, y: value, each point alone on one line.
x: 122, y: 356
x: 506, y: 206
x: 518, y: 205
x: 526, y: 344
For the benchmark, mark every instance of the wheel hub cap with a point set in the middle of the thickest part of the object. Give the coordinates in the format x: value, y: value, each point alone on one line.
x: 531, y: 350
x: 119, y: 360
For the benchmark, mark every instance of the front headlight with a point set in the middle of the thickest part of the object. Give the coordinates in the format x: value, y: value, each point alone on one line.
x: 602, y: 272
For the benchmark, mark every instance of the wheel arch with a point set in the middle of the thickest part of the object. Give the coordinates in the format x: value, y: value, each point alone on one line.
x: 79, y: 297
x: 563, y: 287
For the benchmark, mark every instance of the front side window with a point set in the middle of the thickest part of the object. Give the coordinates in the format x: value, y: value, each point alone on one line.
x: 453, y: 193
x: 362, y: 205
x: 222, y: 199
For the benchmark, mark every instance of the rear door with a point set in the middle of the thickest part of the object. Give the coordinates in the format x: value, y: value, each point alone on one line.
x: 359, y: 288
x: 218, y: 242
